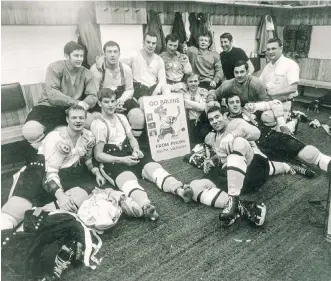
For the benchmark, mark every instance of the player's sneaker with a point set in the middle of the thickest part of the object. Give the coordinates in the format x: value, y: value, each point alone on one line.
x: 62, y: 262
x: 294, y: 169
x: 230, y: 213
x: 150, y: 212
x: 254, y: 212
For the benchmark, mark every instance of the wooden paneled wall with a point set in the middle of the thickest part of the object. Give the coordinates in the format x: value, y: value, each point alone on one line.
x: 312, y: 16
x: 121, y: 12
x: 135, y: 12
x: 32, y: 94
x: 41, y: 12
x: 221, y: 14
x: 315, y: 69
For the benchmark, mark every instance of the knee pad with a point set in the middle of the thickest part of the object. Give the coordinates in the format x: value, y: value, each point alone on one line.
x: 136, y: 119
x: 268, y: 118
x: 309, y: 154
x: 33, y: 132
x: 241, y: 145
x: 206, y: 192
x: 127, y: 182
x: 16, y: 208
x: 154, y: 172
x: 78, y: 195
x: 7, y: 222
x: 125, y: 177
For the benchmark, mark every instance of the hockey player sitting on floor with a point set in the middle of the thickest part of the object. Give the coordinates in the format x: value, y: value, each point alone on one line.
x: 122, y: 160
x: 54, y: 171
x: 280, y: 142
x: 246, y: 167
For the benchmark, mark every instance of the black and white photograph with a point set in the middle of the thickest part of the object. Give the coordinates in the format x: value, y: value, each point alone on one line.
x: 165, y: 140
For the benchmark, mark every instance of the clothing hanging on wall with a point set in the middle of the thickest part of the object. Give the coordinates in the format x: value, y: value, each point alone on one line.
x: 154, y: 25
x: 193, y: 22
x: 199, y: 24
x: 265, y: 31
x: 89, y: 35
x: 179, y: 28
x: 297, y: 40
x: 211, y: 32
x: 186, y: 21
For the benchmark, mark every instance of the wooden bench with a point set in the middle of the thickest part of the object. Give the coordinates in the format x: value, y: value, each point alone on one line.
x: 314, y: 73
x: 12, y: 121
x: 315, y: 84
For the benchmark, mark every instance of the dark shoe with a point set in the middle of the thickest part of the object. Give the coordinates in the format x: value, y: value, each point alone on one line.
x: 254, y: 212
x: 62, y: 262
x: 301, y: 171
x: 230, y: 213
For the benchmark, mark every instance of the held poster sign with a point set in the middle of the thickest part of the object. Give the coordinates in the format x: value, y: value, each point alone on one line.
x: 166, y: 126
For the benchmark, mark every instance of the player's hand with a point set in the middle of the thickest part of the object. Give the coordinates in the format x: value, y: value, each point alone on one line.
x: 130, y: 160
x: 100, y: 179
x: 66, y: 203
x: 137, y: 154
x: 207, y: 165
x: 250, y: 107
x: 227, y: 143
x: 212, y: 84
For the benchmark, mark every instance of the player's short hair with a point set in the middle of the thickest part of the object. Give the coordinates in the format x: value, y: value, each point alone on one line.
x: 240, y: 63
x: 277, y: 40
x: 151, y: 34
x: 213, y: 109
x: 172, y: 38
x: 189, y: 75
x: 111, y: 44
x: 231, y: 95
x: 226, y: 35
x: 209, y: 35
x: 73, y: 108
x: 72, y: 46
x: 105, y: 93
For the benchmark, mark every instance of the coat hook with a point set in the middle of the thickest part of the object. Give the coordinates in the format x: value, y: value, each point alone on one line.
x: 138, y: 10
x: 127, y: 10
x: 115, y: 10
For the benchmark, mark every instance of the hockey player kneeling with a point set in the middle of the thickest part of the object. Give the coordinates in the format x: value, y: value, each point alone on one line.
x: 122, y: 161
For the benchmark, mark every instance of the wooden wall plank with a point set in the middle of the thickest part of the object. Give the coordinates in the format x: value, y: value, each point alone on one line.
x: 40, y: 12
x: 309, y: 68
x: 324, y: 73
x: 121, y: 12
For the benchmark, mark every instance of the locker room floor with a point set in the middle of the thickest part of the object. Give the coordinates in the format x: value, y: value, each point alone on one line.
x: 186, y: 243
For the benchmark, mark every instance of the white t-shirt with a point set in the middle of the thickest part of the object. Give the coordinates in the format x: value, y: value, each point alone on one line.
x: 282, y: 74
x: 149, y: 75
x: 117, y: 132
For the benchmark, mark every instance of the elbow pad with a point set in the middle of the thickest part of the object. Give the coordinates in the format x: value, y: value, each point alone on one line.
x: 52, y: 183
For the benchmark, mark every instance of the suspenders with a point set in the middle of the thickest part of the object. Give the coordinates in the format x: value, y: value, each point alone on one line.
x: 103, y: 69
